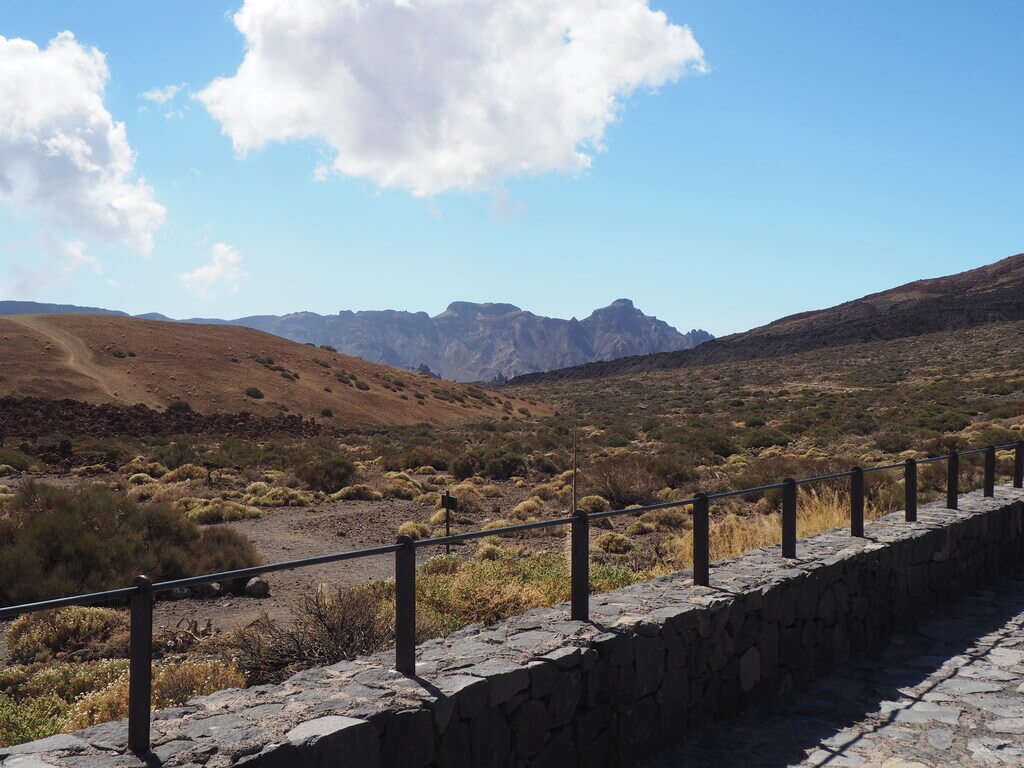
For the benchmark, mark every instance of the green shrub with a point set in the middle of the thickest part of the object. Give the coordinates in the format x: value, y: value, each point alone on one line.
x: 504, y: 466
x: 531, y: 507
x: 13, y: 458
x: 464, y: 466
x: 60, y: 541
x: 179, y: 406
x: 614, y: 544
x: 765, y: 437
x: 254, y: 393
x: 66, y: 680
x: 330, y: 475
x: 545, y: 465
x: 669, y: 519
x: 639, y: 528
x: 185, y: 472
x: 593, y: 504
x: 28, y: 720
x: 173, y: 455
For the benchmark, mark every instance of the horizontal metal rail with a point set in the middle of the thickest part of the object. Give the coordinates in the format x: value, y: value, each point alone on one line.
x: 457, y: 538
x: 92, y: 598
x: 259, y: 570
x: 746, y: 491
x: 141, y: 594
x: 640, y: 510
x: 823, y: 478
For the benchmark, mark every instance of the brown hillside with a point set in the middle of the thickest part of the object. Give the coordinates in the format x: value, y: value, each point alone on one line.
x: 126, y: 361
x: 990, y: 294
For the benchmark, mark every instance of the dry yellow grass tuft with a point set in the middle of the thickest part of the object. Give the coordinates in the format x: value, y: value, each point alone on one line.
x: 733, y: 535
x: 414, y: 530
x: 173, y: 684
x: 209, y: 511
x: 185, y: 472
x: 359, y: 492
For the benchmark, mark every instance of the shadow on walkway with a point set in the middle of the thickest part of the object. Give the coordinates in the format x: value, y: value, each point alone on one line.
x: 823, y: 722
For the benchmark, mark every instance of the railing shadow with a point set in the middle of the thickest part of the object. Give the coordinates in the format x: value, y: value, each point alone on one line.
x: 830, y: 717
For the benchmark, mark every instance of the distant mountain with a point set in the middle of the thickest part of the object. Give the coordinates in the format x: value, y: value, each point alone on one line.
x: 35, y: 308
x: 466, y: 342
x: 988, y: 294
x: 481, y: 342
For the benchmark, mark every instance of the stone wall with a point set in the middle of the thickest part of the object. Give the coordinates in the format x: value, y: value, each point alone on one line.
x: 658, y: 659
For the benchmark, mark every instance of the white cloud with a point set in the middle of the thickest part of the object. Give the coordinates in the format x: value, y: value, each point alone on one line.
x: 64, y: 259
x: 165, y: 98
x: 162, y: 95
x: 63, y: 158
x: 431, y: 95
x: 223, y: 270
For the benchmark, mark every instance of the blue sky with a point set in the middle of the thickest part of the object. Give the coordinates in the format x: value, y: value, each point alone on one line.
x: 830, y: 150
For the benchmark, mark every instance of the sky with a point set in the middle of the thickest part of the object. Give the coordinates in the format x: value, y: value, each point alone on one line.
x: 722, y: 163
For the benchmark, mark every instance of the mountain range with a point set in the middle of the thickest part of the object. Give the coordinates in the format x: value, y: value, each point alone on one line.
x: 466, y: 342
x: 988, y: 294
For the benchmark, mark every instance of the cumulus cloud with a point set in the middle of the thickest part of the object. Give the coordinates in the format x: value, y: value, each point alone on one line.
x: 224, y: 270
x: 162, y: 95
x: 166, y: 100
x: 63, y: 158
x: 432, y: 95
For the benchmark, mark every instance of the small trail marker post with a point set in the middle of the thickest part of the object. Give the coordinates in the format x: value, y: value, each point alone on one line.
x: 449, y: 504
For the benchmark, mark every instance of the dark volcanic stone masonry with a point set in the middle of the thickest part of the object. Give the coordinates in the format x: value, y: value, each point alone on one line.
x: 658, y: 660
x: 949, y: 692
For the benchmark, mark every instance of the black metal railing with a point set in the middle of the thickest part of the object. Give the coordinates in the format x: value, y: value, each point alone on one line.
x: 142, y: 594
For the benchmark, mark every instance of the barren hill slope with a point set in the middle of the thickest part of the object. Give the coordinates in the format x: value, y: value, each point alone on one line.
x: 127, y: 361
x: 988, y: 294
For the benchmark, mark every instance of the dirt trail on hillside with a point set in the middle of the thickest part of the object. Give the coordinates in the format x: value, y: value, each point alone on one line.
x: 79, y: 358
x: 227, y: 369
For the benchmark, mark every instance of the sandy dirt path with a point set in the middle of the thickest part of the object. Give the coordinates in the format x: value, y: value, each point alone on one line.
x: 79, y: 358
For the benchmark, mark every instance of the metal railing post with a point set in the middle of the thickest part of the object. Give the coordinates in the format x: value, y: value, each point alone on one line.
x: 990, y: 471
x: 579, y: 564
x: 1018, y: 465
x: 857, y: 502
x: 701, y: 541
x: 789, y: 518
x: 910, y: 491
x: 953, y: 480
x: 140, y: 665
x: 405, y: 606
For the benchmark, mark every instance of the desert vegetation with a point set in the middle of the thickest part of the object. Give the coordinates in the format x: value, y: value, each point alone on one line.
x: 55, y: 541
x: 177, y: 505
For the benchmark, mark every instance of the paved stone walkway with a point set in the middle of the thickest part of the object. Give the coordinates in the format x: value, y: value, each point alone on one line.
x: 949, y: 693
